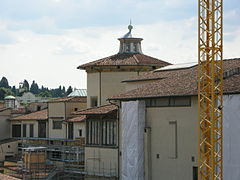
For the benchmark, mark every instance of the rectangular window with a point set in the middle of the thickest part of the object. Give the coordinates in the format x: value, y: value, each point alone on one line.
x: 80, y: 132
x: 31, y: 130
x: 42, y: 129
x: 57, y: 124
x: 172, y: 143
x: 101, y: 133
x: 24, y: 130
x: 94, y: 101
x: 16, y: 130
x: 181, y: 101
x: 169, y: 102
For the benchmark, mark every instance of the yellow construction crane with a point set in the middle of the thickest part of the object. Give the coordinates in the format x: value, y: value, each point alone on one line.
x: 210, y: 90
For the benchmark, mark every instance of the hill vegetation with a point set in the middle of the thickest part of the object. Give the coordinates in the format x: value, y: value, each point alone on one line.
x: 6, y: 89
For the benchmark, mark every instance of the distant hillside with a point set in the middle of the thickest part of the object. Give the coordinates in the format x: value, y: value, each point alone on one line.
x: 6, y: 89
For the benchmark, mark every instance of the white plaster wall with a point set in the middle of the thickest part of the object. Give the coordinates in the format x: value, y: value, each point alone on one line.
x: 231, y: 137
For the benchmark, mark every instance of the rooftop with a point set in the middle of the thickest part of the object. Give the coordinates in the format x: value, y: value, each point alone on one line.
x: 6, y: 177
x: 3, y: 109
x: 39, y: 115
x: 181, y: 82
x: 80, y: 118
x: 78, y: 92
x: 126, y: 60
x: 18, y: 111
x: 69, y: 99
x: 97, y: 110
x: 9, y: 97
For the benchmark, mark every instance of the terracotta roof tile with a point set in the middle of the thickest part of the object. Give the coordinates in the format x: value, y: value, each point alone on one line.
x: 181, y: 82
x: 70, y: 99
x: 6, y: 177
x: 3, y: 109
x: 39, y: 115
x: 97, y: 110
x: 126, y: 59
x: 19, y: 111
x: 80, y: 118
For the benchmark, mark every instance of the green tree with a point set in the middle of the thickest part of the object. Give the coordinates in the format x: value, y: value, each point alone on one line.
x: 4, y: 83
x: 69, y: 90
x: 14, y: 90
x: 26, y: 85
x: 34, y: 88
x: 45, y: 94
x: 5, y: 92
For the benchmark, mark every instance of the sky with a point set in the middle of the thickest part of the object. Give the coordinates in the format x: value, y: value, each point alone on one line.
x: 45, y: 40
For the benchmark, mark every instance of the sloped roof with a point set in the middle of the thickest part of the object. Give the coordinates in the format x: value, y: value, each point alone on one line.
x: 39, y: 115
x: 126, y: 60
x: 181, y: 82
x: 78, y: 92
x: 80, y: 118
x: 70, y: 99
x: 3, y: 109
x: 97, y: 110
x: 6, y: 177
x: 18, y: 111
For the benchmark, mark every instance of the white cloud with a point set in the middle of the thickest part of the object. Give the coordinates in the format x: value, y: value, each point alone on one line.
x: 51, y: 59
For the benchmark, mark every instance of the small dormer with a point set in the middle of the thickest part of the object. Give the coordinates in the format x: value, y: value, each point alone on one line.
x: 130, y: 44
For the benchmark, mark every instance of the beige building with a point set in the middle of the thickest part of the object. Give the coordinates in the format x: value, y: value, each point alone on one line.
x: 101, y: 148
x: 5, y: 115
x: 30, y: 125
x: 59, y: 111
x: 104, y: 76
x: 104, y: 80
x: 8, y: 146
x: 161, y: 119
x: 78, y: 124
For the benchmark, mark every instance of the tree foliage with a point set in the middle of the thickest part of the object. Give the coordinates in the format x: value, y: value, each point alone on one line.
x: 5, y: 89
x: 5, y: 92
x: 69, y: 90
x: 4, y: 83
x: 25, y: 85
x: 34, y: 88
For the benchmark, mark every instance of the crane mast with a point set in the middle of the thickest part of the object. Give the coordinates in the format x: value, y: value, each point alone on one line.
x: 210, y: 92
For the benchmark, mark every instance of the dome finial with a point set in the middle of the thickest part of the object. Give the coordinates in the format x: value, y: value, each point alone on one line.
x: 130, y: 27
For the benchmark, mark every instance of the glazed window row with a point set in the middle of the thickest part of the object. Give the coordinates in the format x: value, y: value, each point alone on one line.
x: 102, y: 133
